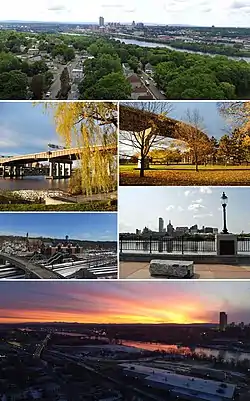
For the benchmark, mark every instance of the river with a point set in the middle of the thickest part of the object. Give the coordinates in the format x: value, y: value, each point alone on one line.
x: 35, y: 183
x: 153, y: 44
x: 226, y: 355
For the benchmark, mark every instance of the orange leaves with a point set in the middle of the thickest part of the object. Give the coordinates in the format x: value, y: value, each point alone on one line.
x: 188, y: 177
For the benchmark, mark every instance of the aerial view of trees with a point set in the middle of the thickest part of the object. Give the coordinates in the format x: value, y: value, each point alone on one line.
x: 180, y: 75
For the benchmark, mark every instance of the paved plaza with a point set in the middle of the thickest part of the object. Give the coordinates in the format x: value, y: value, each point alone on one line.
x: 140, y: 270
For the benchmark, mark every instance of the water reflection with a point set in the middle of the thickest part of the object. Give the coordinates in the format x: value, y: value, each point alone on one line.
x: 35, y: 183
x: 208, y: 352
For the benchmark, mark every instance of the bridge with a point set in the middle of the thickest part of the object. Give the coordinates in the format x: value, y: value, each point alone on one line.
x: 60, y: 161
x: 138, y: 120
x: 32, y: 270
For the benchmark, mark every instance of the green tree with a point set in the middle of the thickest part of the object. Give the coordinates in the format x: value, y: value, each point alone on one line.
x: 13, y: 85
x: 111, y: 86
x: 37, y: 86
x: 65, y: 85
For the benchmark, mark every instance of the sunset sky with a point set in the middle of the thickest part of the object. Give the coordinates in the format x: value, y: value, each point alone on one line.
x: 123, y: 302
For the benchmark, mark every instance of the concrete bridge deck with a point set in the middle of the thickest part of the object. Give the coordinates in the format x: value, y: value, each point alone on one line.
x: 29, y: 267
x: 60, y: 154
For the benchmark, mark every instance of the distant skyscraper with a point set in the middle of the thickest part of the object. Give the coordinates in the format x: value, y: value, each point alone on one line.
x: 101, y: 21
x: 170, y: 228
x: 223, y: 321
x: 161, y: 224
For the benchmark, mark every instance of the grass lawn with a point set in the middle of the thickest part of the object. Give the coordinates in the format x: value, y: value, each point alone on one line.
x: 186, y: 175
x: 97, y: 206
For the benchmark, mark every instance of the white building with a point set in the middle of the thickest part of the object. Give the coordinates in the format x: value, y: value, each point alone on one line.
x: 77, y: 74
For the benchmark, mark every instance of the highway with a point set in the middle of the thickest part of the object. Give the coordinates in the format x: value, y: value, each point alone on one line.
x: 117, y: 382
x: 41, y: 346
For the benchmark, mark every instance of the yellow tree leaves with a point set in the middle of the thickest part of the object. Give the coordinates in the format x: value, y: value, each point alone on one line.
x: 91, y: 127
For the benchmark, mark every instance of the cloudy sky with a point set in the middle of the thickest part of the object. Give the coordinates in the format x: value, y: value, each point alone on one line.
x: 184, y: 206
x: 25, y: 128
x: 124, y: 302
x: 192, y: 12
x: 88, y: 226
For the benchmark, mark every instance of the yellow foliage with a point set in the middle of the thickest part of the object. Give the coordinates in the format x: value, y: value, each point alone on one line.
x: 90, y: 127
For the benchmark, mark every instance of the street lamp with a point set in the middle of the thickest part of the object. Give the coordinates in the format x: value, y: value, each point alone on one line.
x: 224, y: 200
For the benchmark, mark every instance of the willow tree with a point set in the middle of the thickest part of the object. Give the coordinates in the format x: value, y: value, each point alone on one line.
x: 92, y: 129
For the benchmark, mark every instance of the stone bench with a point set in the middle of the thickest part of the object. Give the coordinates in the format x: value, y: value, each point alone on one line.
x: 171, y: 268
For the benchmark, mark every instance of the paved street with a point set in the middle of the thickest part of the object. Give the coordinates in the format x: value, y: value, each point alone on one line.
x: 55, y: 87
x: 152, y: 87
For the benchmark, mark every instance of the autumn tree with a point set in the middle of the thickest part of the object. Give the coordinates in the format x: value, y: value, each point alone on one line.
x: 92, y: 128
x: 143, y: 134
x: 192, y: 134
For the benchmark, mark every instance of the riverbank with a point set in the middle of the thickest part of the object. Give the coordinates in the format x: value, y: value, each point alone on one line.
x: 55, y: 200
x: 181, y: 47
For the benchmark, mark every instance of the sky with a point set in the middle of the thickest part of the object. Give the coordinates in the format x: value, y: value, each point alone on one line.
x: 25, y: 128
x: 192, y: 12
x: 124, y: 302
x: 212, y: 122
x: 184, y: 206
x: 82, y: 226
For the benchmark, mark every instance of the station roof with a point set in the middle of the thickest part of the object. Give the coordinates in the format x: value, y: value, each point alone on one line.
x: 211, y: 389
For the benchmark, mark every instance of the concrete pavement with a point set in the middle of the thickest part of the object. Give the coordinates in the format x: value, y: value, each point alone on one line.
x: 140, y: 271
x: 55, y: 87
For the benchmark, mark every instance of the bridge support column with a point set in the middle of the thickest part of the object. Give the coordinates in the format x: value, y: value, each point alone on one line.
x: 63, y: 170
x: 11, y: 171
x: 57, y: 170
x: 70, y: 170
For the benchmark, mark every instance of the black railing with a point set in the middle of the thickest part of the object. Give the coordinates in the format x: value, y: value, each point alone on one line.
x: 179, y: 245
x: 243, y: 244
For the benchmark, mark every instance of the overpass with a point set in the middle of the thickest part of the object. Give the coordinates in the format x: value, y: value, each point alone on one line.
x: 31, y: 269
x: 60, y: 161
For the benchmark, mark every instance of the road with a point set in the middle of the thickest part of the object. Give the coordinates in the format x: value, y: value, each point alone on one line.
x: 41, y: 346
x: 152, y: 87
x: 117, y: 382
x: 55, y: 87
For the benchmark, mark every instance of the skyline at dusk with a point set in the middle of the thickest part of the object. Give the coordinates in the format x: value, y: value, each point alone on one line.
x: 123, y: 302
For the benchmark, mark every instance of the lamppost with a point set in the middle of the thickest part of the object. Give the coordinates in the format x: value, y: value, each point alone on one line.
x: 224, y: 200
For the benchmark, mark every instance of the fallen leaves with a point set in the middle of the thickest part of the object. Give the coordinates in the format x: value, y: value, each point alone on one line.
x: 186, y: 178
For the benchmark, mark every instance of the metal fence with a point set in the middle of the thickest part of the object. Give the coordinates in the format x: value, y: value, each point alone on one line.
x: 243, y: 245
x: 179, y: 245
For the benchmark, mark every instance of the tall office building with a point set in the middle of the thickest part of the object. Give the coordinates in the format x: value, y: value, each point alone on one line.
x: 223, y: 321
x: 161, y: 225
x: 101, y: 21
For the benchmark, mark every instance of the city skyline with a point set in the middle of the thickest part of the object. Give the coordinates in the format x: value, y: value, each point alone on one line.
x: 81, y: 226
x: 26, y: 128
x: 120, y: 302
x: 185, y: 206
x: 194, y: 12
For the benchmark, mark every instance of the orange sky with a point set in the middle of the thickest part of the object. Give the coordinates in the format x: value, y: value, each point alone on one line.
x: 122, y: 302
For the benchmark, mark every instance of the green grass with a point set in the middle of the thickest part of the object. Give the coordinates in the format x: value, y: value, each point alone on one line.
x: 76, y: 207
